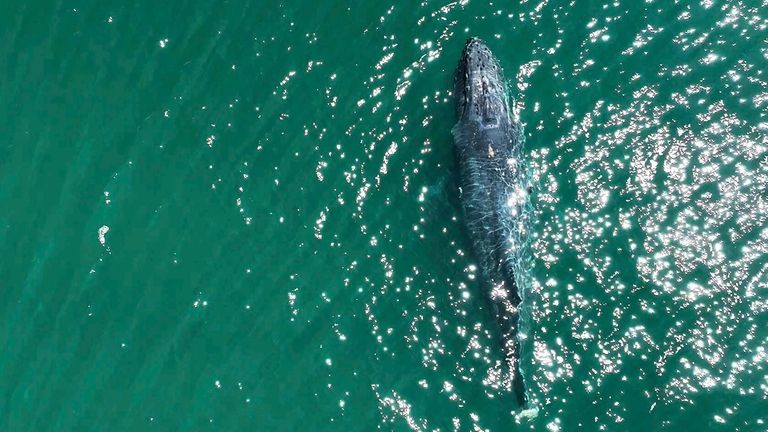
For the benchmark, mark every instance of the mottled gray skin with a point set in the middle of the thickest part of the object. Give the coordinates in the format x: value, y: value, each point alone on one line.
x: 494, y: 190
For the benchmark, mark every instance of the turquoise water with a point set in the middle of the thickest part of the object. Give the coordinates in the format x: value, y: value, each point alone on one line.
x: 243, y: 216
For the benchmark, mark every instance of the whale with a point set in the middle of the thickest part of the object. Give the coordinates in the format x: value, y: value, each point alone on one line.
x: 494, y: 191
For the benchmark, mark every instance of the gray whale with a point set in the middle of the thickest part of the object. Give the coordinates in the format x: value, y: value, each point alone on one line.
x: 494, y: 189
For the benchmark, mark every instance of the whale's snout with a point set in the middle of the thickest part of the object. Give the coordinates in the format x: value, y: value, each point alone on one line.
x: 479, y: 85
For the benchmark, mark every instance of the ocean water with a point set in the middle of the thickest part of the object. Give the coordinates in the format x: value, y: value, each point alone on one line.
x: 242, y: 215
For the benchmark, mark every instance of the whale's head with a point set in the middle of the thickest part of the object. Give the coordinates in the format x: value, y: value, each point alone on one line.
x: 479, y: 86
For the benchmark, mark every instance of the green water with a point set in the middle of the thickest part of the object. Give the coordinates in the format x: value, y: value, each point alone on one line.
x: 243, y: 216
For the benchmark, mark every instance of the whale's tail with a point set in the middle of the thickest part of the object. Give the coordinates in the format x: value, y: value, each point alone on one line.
x: 505, y: 307
x: 518, y: 385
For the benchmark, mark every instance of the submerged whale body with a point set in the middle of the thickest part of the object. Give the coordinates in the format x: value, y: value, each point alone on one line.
x: 494, y: 191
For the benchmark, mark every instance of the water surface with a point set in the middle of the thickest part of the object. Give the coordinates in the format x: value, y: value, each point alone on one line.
x: 243, y: 216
